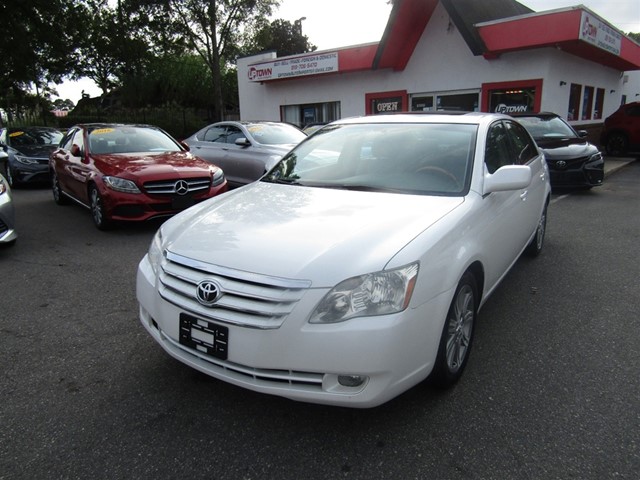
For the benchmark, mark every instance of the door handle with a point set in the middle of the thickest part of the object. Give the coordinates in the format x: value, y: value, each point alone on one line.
x: 523, y: 195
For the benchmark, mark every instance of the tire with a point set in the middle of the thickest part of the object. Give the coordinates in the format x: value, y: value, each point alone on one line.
x: 457, y: 334
x: 58, y: 196
x: 537, y: 242
x: 617, y: 144
x: 97, y: 209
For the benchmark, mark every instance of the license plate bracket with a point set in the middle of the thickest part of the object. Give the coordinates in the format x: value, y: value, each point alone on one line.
x: 182, y: 202
x: 204, y: 336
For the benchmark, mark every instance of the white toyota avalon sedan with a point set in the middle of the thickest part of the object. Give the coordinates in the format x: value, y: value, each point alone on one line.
x: 356, y: 267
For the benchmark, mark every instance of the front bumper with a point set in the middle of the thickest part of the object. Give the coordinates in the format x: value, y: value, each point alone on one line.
x: 139, y: 207
x: 576, y: 173
x: 30, y: 173
x: 301, y: 361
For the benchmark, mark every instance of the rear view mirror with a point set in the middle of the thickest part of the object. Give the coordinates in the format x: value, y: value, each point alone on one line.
x: 509, y: 177
x: 75, y: 150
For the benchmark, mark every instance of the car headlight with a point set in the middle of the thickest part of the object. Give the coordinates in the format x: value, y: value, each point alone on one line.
x: 596, y: 157
x: 26, y: 160
x: 121, y: 185
x: 155, y: 252
x: 379, y: 293
x: 218, y: 177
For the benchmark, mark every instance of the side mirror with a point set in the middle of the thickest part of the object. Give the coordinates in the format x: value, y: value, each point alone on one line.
x: 509, y: 177
x: 583, y: 133
x: 185, y: 146
x: 75, y: 150
x: 243, y: 142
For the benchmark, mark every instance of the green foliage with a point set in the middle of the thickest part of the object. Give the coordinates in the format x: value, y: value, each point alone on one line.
x: 143, y: 54
x: 284, y: 37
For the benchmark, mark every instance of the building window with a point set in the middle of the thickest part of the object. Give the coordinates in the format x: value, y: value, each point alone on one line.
x: 587, y: 103
x: 573, y: 112
x: 421, y: 103
x: 512, y: 100
x: 597, y: 113
x: 512, y: 97
x: 310, y: 113
x: 464, y: 102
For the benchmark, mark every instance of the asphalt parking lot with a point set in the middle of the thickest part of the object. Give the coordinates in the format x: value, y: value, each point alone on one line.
x: 551, y: 390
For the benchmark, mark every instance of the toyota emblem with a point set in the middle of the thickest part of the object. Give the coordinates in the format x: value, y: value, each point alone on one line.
x: 561, y: 164
x: 207, y: 292
x: 181, y: 187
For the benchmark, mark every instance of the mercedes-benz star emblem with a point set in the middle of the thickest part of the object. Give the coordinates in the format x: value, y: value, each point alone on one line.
x: 207, y: 293
x: 181, y: 187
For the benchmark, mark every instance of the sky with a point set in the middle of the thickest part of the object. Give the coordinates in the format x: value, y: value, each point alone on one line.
x: 340, y: 23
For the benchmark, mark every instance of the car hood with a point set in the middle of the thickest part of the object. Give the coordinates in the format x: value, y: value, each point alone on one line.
x: 315, y: 234
x: 563, y: 148
x: 161, y: 165
x: 35, y: 151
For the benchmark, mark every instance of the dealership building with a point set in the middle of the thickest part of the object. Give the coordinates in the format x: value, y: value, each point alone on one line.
x: 494, y: 55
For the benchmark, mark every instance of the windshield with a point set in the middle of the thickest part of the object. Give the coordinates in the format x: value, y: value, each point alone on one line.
x: 426, y: 158
x: 547, y: 127
x: 130, y: 139
x: 274, y: 134
x: 24, y: 137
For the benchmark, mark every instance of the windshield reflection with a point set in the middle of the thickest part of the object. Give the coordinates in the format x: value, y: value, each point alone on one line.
x: 429, y: 158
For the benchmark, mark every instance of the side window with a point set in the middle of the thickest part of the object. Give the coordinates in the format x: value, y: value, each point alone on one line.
x: 497, y: 152
x: 234, y: 133
x: 66, y: 141
x: 525, y: 148
x: 215, y: 134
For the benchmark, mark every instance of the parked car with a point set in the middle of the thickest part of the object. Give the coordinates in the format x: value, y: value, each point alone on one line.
x: 351, y: 281
x: 573, y: 161
x: 621, y: 132
x: 130, y: 172
x: 8, y: 233
x: 28, y: 150
x: 244, y: 150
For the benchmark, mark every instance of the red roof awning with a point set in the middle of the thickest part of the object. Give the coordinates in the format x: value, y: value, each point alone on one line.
x: 561, y: 29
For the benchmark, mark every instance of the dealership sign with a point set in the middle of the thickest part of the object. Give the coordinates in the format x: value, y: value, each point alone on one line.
x: 314, y: 64
x: 599, y: 34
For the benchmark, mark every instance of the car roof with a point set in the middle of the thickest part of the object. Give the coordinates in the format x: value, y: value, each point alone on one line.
x: 32, y: 129
x: 475, y: 118
x: 531, y: 114
x: 114, y: 125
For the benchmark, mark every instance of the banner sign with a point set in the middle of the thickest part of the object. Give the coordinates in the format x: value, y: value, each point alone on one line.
x: 312, y: 64
x: 599, y: 34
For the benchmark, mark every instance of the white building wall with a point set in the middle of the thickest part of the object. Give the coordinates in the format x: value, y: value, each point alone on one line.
x: 442, y: 62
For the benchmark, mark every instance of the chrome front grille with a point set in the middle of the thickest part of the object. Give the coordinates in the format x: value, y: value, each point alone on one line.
x: 168, y: 187
x: 246, y: 299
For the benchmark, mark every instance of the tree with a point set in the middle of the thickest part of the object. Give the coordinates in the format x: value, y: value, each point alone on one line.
x: 214, y: 29
x: 284, y: 37
x: 37, y: 47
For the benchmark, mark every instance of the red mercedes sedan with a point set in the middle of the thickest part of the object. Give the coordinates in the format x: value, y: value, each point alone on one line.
x: 129, y: 173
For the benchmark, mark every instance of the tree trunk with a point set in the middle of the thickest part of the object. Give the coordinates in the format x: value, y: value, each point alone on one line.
x: 216, y: 75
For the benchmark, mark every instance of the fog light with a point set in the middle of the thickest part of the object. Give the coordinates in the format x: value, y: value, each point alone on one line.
x: 351, y: 380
